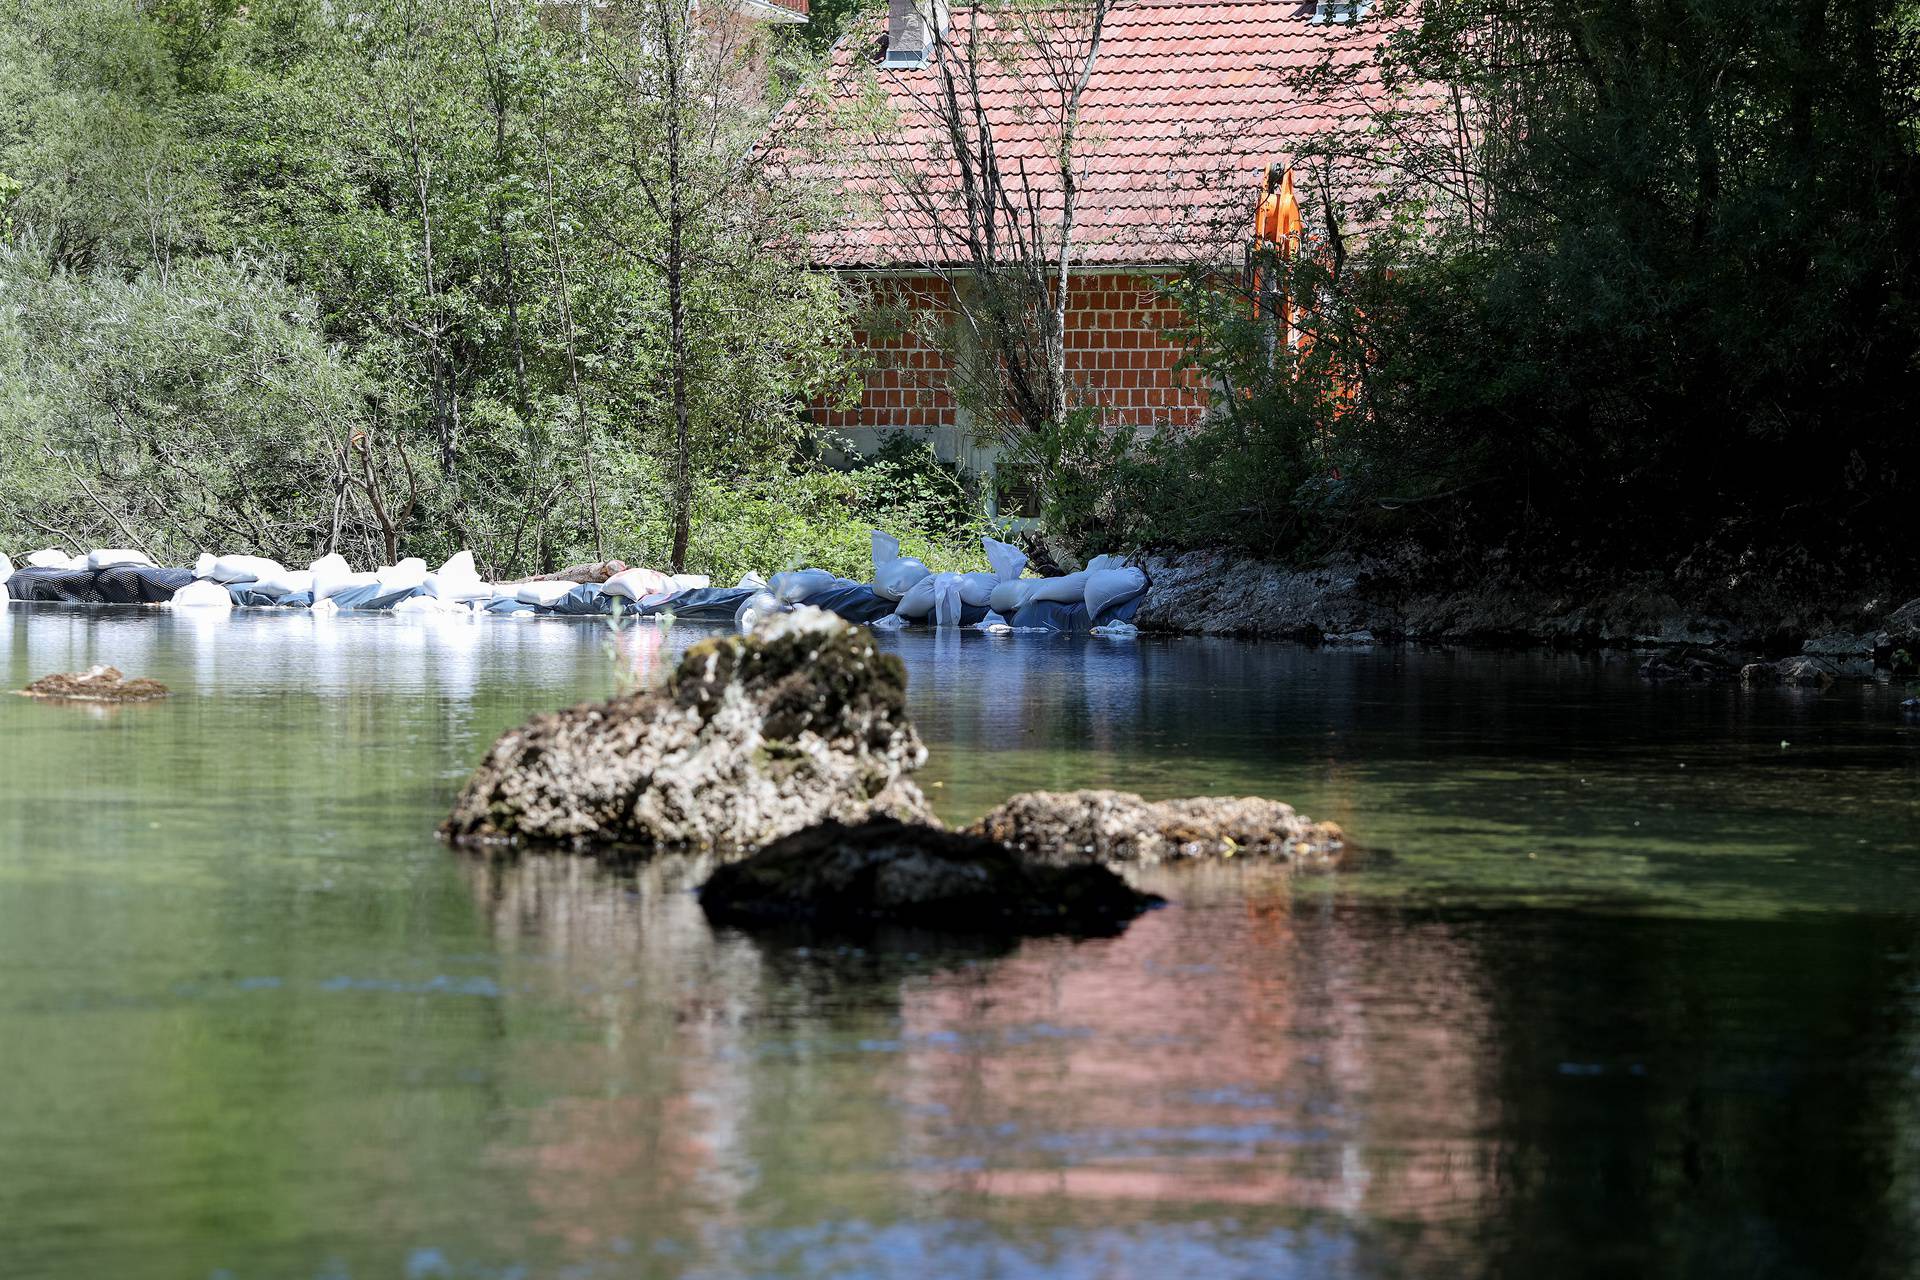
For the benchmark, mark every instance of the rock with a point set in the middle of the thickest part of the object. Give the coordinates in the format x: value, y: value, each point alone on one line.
x: 1805, y: 672
x: 1910, y: 710
x: 752, y: 738
x: 1118, y: 826
x: 901, y: 873
x: 96, y: 684
x: 1760, y: 673
x: 1220, y: 593
x: 1839, y: 645
x: 1690, y: 662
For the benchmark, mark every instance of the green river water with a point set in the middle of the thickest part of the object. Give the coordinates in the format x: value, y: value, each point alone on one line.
x: 1628, y: 983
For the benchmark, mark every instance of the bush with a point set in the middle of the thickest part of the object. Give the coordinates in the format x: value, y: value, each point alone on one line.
x: 809, y: 516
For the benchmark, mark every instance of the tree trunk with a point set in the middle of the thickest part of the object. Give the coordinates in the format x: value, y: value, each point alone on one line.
x: 676, y: 300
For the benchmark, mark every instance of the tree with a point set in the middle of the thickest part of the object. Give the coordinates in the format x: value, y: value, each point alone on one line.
x: 1000, y: 235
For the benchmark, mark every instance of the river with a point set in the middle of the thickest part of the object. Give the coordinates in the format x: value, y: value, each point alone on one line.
x: 1626, y: 981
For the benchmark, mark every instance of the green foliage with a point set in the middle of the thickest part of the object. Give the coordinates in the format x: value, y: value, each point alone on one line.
x: 172, y: 411
x: 470, y: 260
x: 1656, y: 309
x: 800, y: 515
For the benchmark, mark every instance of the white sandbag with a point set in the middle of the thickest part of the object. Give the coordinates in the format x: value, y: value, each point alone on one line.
x: 4, y: 597
x: 977, y: 588
x: 1006, y: 560
x: 6, y: 566
x: 280, y: 585
x: 936, y: 596
x: 1070, y: 589
x: 893, y: 574
x: 408, y: 575
x: 918, y: 602
x: 1100, y: 564
x: 244, y: 568
x: 1009, y: 597
x: 116, y: 557
x: 637, y: 584
x: 947, y: 598
x: 545, y: 594
x: 427, y: 604
x: 51, y: 559
x: 759, y: 605
x: 460, y: 566
x: 800, y: 584
x: 331, y: 575
x: 690, y: 582
x: 1008, y: 563
x: 455, y: 589
x: 202, y: 594
x: 750, y: 579
x: 1109, y: 587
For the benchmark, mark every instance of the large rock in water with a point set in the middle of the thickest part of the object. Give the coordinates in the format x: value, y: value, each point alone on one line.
x: 905, y: 873
x: 1118, y: 826
x: 752, y: 738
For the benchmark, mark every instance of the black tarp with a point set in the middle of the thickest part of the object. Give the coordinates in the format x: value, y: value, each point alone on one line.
x: 127, y: 584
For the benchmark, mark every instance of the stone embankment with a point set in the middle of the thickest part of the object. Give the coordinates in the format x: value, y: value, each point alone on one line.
x: 1349, y: 601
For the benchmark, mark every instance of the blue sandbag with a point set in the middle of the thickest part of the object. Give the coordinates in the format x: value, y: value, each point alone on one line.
x: 701, y: 604
x: 585, y: 601
x: 855, y: 602
x: 371, y: 598
x: 1121, y: 611
x: 1051, y: 615
x: 244, y: 596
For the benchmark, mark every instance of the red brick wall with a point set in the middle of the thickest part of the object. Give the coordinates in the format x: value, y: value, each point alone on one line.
x: 904, y: 377
x: 1116, y: 358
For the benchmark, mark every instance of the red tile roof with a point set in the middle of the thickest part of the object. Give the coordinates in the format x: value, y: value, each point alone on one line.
x: 1188, y: 101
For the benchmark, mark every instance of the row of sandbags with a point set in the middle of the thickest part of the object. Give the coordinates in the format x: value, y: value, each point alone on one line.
x: 1000, y: 596
x: 903, y: 592
x: 220, y: 582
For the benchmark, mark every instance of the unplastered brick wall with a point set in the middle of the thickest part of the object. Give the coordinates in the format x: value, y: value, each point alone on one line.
x: 1117, y: 357
x: 905, y: 376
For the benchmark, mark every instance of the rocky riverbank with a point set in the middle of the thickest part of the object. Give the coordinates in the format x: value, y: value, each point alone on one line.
x: 1363, y: 600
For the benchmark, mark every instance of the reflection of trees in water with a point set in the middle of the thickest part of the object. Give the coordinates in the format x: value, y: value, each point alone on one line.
x: 1522, y: 1093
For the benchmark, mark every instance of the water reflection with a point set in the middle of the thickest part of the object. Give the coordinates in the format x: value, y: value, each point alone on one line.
x: 253, y: 1019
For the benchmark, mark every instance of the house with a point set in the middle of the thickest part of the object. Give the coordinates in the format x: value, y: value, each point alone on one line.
x: 1186, y: 103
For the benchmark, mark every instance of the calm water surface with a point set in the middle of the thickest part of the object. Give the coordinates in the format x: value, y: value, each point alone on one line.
x: 1628, y: 986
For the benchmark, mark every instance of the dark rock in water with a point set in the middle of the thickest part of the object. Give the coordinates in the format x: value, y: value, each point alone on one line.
x: 1910, y: 709
x: 1118, y: 826
x: 96, y: 684
x: 1691, y: 662
x: 905, y: 873
x: 752, y: 738
x: 1760, y: 673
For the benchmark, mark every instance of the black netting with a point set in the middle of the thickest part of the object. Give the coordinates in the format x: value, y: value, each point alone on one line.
x: 125, y: 585
x: 54, y: 586
x: 136, y: 585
